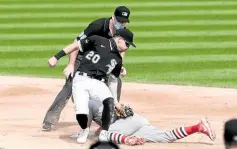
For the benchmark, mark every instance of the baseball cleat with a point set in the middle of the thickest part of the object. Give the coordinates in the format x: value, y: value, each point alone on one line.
x: 205, y: 127
x: 83, y: 135
x: 90, y: 135
x: 47, y: 127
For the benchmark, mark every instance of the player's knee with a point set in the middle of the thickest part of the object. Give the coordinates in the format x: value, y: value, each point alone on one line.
x: 108, y: 104
x: 108, y: 101
x: 82, y: 120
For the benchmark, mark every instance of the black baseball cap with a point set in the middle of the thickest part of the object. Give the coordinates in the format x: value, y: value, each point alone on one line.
x: 230, y: 132
x: 122, y: 13
x: 104, y: 145
x: 127, y: 35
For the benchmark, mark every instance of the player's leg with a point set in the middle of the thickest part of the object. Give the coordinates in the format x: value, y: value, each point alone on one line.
x: 81, y: 97
x: 102, y: 93
x: 115, y: 85
x: 203, y: 127
x: 108, y: 114
x: 154, y: 134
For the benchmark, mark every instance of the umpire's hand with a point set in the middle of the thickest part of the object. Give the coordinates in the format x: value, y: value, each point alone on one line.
x: 68, y: 71
x: 52, y: 61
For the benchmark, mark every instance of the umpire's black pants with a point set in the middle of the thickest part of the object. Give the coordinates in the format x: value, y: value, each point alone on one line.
x: 53, y: 114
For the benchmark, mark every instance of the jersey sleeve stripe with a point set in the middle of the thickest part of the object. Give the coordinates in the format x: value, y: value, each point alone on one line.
x: 114, y: 138
x: 175, y: 134
x: 119, y: 138
x: 110, y: 136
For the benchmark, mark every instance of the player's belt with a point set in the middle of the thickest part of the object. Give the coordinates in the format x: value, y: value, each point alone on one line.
x: 91, y: 76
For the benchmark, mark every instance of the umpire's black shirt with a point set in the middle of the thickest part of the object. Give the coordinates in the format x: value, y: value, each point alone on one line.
x: 100, y: 57
x: 98, y: 27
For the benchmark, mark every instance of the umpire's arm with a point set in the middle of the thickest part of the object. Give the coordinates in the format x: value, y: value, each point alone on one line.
x: 68, y: 49
x: 79, y: 45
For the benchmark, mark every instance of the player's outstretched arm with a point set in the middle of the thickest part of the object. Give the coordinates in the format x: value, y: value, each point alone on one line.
x: 67, y: 50
x: 106, y: 136
x: 70, y: 48
x: 73, y: 56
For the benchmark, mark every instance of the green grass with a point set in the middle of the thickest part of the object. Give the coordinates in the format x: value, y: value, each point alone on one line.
x: 186, y: 42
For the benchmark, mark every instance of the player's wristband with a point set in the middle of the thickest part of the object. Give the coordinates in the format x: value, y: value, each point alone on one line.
x: 60, y: 54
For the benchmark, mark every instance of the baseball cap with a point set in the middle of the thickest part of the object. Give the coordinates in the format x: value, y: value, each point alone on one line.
x: 127, y: 35
x: 230, y: 132
x: 104, y: 145
x: 122, y: 13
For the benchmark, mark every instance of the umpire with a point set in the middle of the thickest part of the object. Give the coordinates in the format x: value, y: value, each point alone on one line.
x: 105, y: 27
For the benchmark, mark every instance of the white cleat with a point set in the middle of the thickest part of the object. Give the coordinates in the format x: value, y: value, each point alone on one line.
x: 82, y: 137
x: 90, y: 135
x: 205, y: 127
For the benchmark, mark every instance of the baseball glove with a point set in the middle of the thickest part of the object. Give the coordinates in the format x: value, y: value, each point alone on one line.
x: 124, y: 111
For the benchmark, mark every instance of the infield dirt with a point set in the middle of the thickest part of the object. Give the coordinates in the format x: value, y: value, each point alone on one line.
x: 24, y: 102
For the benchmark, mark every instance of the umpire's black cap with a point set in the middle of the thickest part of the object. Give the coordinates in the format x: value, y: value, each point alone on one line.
x: 122, y: 13
x: 127, y: 35
x: 230, y: 132
x: 104, y: 145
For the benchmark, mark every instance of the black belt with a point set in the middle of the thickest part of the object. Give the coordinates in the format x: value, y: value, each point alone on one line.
x: 103, y: 79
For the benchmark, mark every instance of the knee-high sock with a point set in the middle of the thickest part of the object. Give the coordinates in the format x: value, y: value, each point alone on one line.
x: 82, y: 120
x: 182, y: 132
x: 108, y: 114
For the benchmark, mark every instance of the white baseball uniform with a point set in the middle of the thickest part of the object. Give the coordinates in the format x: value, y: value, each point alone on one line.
x: 85, y: 88
x: 101, y: 58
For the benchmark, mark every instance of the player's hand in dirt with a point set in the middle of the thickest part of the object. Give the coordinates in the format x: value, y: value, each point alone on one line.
x: 133, y: 140
x: 52, y: 61
x: 141, y: 141
x: 68, y: 71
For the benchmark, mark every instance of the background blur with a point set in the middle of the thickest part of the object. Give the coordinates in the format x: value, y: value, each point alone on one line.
x: 178, y: 42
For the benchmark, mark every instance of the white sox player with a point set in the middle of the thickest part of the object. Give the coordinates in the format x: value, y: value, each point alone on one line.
x: 101, y: 57
x: 139, y: 126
